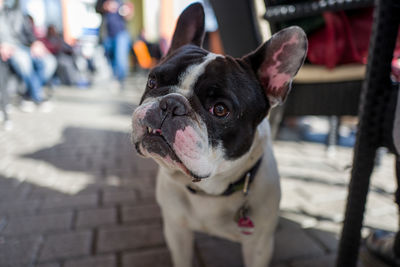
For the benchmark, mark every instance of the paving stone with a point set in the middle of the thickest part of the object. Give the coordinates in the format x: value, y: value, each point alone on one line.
x: 119, y: 196
x: 387, y: 222
x: 129, y: 237
x: 44, y: 192
x: 291, y: 242
x: 377, y: 206
x: 324, y: 261
x: 63, y: 246
x: 18, y: 252
x: 67, y: 159
x: 96, y: 261
x: 3, y: 222
x: 145, y: 193
x: 332, y: 211
x: 55, y: 264
x: 284, y: 223
x: 380, y: 205
x: 18, y: 208
x: 96, y: 217
x: 78, y: 201
x: 322, y: 192
x: 328, y: 260
x: 216, y: 252
x: 141, y: 213
x: 290, y: 199
x: 8, y: 183
x: 327, y: 234
x: 328, y: 241
x: 383, y: 176
x: 147, y: 166
x: 366, y: 259
x: 153, y: 257
x: 303, y: 220
x: 142, y: 184
x: 19, y: 191
x: 38, y: 224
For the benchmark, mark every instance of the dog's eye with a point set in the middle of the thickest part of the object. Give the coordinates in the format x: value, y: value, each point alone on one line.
x: 151, y: 83
x: 220, y: 110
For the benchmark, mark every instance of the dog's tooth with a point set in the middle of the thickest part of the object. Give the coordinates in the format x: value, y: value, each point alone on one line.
x: 149, y: 130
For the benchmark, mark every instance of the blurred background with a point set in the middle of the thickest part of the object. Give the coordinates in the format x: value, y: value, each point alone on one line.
x: 338, y: 35
x: 73, y: 192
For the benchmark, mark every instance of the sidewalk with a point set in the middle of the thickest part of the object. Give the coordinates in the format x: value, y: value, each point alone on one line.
x: 73, y: 193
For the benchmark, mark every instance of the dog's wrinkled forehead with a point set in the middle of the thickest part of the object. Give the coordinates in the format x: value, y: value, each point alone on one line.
x: 181, y: 70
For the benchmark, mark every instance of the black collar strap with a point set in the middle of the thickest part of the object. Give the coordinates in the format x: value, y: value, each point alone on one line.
x: 239, y: 185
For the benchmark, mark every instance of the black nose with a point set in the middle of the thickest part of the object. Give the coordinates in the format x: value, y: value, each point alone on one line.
x: 175, y: 105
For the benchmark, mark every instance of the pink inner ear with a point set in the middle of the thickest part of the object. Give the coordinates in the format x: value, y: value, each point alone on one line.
x: 271, y: 77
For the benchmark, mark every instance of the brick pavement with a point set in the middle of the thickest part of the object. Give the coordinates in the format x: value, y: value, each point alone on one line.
x: 73, y: 193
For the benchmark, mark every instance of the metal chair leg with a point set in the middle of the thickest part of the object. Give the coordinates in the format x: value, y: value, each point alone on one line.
x: 396, y: 247
x: 370, y: 131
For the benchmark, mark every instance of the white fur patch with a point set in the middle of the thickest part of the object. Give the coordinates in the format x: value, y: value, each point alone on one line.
x: 188, y: 79
x: 227, y: 171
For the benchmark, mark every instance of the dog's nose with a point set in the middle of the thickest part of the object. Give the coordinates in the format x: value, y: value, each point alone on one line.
x: 175, y: 104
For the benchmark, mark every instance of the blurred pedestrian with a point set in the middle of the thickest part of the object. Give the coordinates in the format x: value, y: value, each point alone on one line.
x: 28, y: 57
x: 67, y: 70
x: 116, y: 39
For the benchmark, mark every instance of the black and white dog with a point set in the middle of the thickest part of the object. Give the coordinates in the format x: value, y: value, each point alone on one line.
x: 203, y: 119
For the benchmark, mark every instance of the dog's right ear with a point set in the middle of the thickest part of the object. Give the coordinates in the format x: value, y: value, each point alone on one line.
x: 277, y: 61
x: 189, y: 28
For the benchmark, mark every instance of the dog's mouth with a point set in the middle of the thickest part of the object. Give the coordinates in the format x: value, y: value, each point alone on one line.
x: 152, y: 131
x: 155, y: 143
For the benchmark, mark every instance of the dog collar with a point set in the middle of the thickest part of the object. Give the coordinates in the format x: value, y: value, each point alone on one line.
x: 242, y: 184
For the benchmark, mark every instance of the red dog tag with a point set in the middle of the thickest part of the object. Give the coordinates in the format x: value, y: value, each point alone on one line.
x: 246, y: 225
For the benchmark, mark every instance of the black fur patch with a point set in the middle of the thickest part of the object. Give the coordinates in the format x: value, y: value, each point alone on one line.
x: 232, y: 82
x: 225, y: 80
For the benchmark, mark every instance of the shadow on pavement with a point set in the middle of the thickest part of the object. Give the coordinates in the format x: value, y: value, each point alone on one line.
x: 97, y: 226
x: 119, y: 223
x: 335, y: 184
x: 99, y: 152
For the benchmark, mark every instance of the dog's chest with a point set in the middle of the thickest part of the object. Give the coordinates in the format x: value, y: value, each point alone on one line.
x: 213, y: 215
x: 217, y: 217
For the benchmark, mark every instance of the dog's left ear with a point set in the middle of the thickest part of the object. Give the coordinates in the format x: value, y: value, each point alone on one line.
x: 277, y: 61
x: 189, y: 28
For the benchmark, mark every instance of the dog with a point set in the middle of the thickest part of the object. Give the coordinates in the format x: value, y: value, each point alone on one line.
x: 203, y: 119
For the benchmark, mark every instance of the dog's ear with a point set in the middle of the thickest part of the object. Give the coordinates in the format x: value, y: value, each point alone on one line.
x: 189, y: 28
x: 277, y: 61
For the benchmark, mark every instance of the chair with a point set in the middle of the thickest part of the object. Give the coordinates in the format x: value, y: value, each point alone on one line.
x: 143, y: 56
x: 316, y: 90
x: 237, y: 26
x: 377, y: 110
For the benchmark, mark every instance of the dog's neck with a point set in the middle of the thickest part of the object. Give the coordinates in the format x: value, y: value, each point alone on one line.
x: 230, y: 171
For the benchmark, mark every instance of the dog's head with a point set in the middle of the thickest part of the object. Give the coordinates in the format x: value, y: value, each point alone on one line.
x: 199, y: 109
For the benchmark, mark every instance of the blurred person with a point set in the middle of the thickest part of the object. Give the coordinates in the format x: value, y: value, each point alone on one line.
x: 4, y: 99
x: 67, y: 70
x: 147, y: 54
x: 116, y: 38
x: 154, y: 47
x: 27, y: 56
